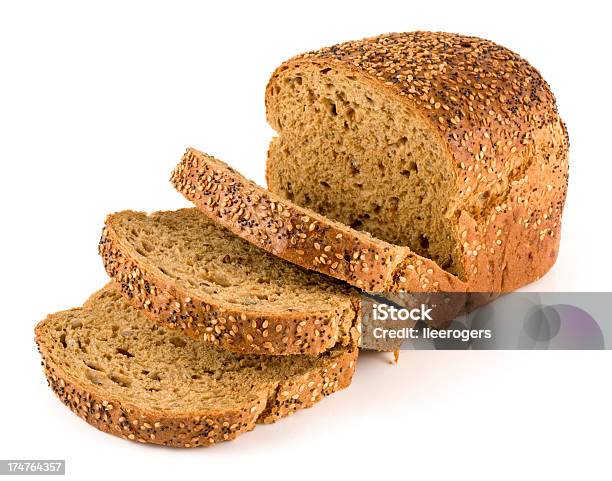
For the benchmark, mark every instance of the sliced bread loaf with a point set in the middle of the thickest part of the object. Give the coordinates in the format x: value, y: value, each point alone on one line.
x: 187, y: 272
x: 130, y: 377
x: 447, y: 144
x: 301, y: 235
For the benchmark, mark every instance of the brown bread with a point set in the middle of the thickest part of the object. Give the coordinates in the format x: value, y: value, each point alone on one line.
x: 300, y: 235
x: 187, y: 272
x: 446, y: 144
x: 130, y: 377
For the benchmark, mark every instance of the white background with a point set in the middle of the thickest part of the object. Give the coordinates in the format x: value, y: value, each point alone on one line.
x: 97, y: 104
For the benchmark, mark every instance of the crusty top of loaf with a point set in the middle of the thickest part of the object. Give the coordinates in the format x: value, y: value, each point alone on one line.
x: 484, y: 99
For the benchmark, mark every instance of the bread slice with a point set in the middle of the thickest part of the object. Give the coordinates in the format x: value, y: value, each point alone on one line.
x: 302, y: 236
x: 449, y: 145
x: 127, y: 376
x: 187, y: 272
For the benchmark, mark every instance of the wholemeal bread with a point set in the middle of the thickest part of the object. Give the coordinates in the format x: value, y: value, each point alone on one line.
x: 301, y: 235
x: 187, y: 272
x: 127, y: 376
x: 446, y: 144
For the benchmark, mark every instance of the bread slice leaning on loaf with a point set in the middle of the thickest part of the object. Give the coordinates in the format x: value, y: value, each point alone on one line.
x: 300, y: 235
x: 446, y: 144
x: 189, y: 273
x: 130, y: 377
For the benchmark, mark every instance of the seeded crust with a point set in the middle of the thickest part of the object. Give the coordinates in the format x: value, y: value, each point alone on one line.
x: 331, y: 319
x: 298, y: 234
x: 118, y: 410
x: 495, y: 119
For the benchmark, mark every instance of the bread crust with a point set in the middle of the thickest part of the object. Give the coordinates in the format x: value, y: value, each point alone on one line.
x: 298, y: 234
x: 199, y: 428
x: 506, y: 145
x: 205, y: 319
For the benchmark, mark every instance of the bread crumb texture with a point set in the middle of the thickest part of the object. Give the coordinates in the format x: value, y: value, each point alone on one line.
x: 133, y: 378
x: 448, y: 145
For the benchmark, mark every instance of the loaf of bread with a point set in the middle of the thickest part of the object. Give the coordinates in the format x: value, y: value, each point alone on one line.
x: 186, y: 272
x: 130, y: 377
x: 446, y: 144
x: 404, y: 163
